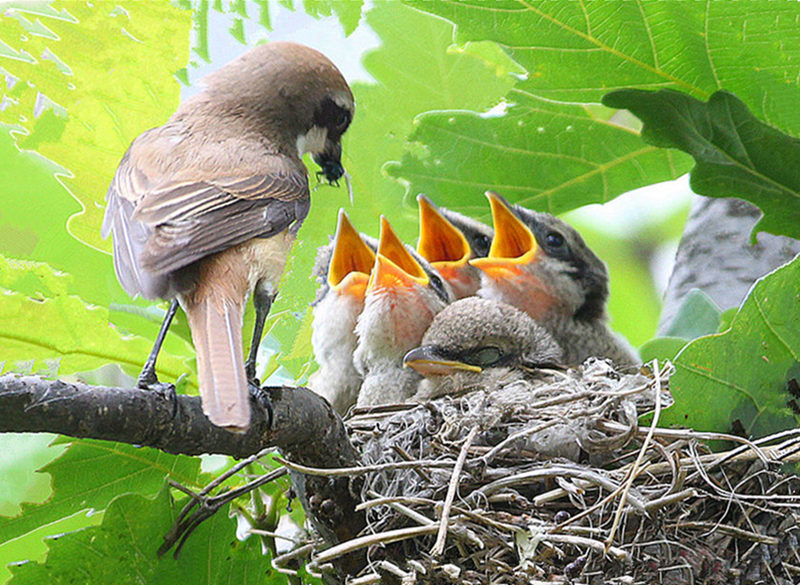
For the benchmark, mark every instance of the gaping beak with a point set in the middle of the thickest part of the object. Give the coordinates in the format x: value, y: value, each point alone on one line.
x: 352, y: 260
x: 513, y: 246
x: 440, y: 242
x: 427, y: 361
x: 394, y: 265
x: 330, y: 161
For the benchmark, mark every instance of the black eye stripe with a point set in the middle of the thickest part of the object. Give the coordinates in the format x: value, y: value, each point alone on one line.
x: 332, y: 116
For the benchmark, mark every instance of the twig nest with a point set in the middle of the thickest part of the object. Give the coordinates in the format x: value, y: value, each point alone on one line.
x: 550, y: 478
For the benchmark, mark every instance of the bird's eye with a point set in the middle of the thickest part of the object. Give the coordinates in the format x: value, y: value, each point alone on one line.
x: 486, y: 356
x: 554, y: 240
x: 343, y: 119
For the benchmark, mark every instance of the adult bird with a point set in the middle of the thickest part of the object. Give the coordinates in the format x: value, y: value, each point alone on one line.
x: 403, y: 295
x: 542, y: 266
x: 448, y: 240
x: 205, y: 208
x: 343, y: 267
x: 475, y: 344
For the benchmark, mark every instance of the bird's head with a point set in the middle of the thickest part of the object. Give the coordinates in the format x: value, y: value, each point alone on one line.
x: 449, y: 248
x: 292, y: 93
x: 542, y: 266
x: 475, y: 342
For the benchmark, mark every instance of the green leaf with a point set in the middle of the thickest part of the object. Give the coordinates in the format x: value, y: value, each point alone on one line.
x: 543, y: 152
x: 550, y: 157
x: 736, y: 155
x: 90, y: 474
x: 60, y: 333
x: 347, y: 11
x: 662, y: 348
x: 579, y: 51
x: 80, y: 60
x: 741, y: 376
x: 21, y: 455
x: 131, y: 532
x: 698, y: 315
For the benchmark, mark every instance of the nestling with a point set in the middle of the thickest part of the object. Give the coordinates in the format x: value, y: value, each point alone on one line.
x: 475, y: 344
x: 344, y: 267
x: 403, y: 295
x: 540, y: 265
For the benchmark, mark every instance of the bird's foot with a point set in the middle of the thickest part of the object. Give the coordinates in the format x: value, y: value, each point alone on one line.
x: 262, y: 395
x: 148, y: 381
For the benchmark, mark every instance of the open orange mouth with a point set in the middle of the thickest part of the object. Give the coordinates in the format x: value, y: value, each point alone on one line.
x: 513, y: 245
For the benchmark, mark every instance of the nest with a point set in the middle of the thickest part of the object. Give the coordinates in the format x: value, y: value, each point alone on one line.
x: 555, y: 480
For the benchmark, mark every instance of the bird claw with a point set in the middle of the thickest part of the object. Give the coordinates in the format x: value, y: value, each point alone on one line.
x: 263, y: 396
x: 164, y: 390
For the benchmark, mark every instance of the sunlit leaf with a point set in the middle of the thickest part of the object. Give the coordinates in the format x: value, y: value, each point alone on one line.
x: 80, y: 60
x: 92, y: 473
x: 736, y: 154
x: 60, y: 333
x: 130, y: 534
x: 742, y: 375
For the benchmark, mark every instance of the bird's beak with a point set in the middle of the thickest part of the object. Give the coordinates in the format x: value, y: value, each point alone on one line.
x: 440, y: 242
x: 330, y: 161
x: 394, y: 265
x: 428, y: 362
x: 352, y: 260
x: 513, y: 246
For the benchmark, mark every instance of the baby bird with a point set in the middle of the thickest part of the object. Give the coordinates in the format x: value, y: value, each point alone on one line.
x: 344, y: 267
x: 448, y: 240
x: 475, y: 344
x: 402, y: 297
x: 542, y: 266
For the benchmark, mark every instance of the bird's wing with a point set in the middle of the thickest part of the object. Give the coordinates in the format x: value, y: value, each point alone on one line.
x: 179, y: 221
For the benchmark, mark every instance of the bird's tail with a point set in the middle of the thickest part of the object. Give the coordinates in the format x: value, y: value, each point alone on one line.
x: 216, y: 326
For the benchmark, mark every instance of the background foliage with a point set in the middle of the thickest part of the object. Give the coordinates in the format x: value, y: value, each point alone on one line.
x: 504, y: 95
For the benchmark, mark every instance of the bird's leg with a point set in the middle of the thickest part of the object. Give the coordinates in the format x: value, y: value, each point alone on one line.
x: 262, y: 300
x: 148, y: 380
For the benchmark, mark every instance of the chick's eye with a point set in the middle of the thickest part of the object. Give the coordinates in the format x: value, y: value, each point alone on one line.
x: 486, y: 356
x: 554, y: 240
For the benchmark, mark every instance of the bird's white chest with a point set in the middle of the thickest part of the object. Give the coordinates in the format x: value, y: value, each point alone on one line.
x: 266, y: 259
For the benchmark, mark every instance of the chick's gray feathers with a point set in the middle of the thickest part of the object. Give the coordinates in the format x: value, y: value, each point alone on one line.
x: 473, y: 323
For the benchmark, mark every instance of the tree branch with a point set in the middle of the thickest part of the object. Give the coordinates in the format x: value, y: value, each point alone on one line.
x: 305, y: 429
x: 715, y: 255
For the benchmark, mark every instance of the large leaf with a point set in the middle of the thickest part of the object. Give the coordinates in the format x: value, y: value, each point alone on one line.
x: 737, y: 155
x: 78, y: 56
x: 550, y: 157
x: 131, y: 532
x: 553, y: 156
x: 579, y: 51
x: 741, y: 378
x: 92, y: 473
x: 59, y: 333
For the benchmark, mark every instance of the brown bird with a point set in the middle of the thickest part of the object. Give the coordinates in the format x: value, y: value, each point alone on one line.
x: 403, y: 295
x: 205, y: 208
x: 542, y: 266
x: 475, y: 344
x: 448, y: 240
x: 344, y: 268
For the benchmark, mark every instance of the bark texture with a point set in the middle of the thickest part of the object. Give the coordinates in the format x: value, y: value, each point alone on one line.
x: 715, y: 255
x: 304, y: 428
